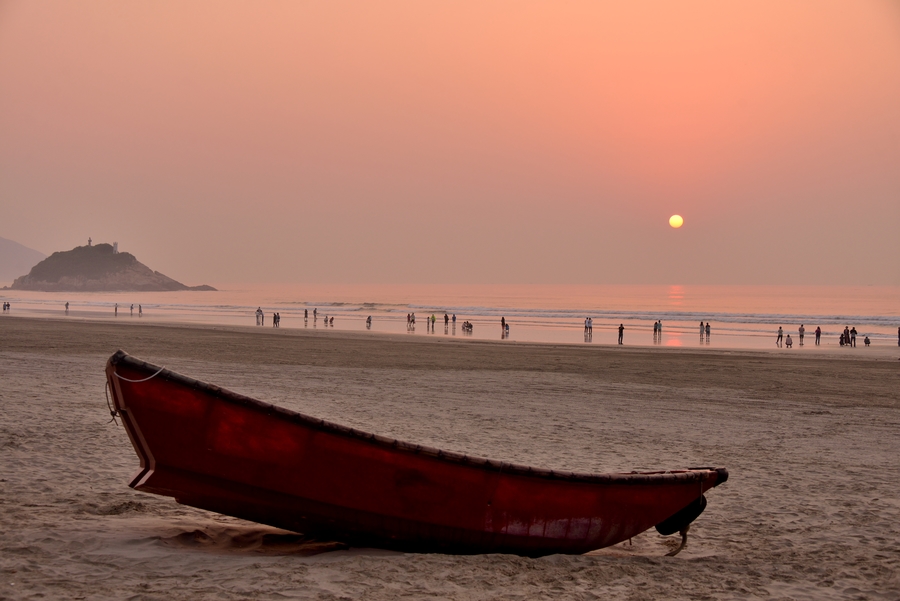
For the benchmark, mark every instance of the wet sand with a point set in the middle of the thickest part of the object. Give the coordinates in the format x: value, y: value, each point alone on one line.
x: 811, y: 510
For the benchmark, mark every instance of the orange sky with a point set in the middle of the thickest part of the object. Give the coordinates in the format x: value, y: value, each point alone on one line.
x: 493, y: 142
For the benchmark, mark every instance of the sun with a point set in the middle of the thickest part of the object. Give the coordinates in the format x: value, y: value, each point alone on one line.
x: 676, y: 221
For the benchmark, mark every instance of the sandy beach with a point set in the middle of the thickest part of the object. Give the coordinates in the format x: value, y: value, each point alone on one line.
x: 811, y: 509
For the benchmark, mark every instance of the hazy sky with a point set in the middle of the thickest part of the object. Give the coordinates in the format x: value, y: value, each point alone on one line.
x: 486, y: 142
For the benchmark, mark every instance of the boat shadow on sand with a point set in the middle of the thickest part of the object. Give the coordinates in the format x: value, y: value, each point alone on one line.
x: 267, y: 541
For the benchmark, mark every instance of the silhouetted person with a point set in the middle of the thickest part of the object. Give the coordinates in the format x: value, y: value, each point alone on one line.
x: 707, y: 332
x: 116, y: 310
x: 502, y: 323
x: 132, y: 310
x: 702, y: 330
x: 818, y: 334
x: 866, y: 341
x: 788, y: 342
x: 853, y: 337
x: 67, y: 307
x: 779, y: 338
x: 621, y: 333
x: 140, y: 311
x: 368, y: 322
x: 802, y: 331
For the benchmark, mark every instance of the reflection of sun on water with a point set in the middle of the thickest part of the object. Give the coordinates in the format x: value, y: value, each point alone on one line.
x: 676, y: 295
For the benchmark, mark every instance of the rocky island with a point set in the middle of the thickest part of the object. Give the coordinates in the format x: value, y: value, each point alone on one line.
x: 96, y: 268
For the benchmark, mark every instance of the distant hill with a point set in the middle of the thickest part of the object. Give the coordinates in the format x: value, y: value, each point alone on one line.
x: 96, y: 269
x: 16, y: 259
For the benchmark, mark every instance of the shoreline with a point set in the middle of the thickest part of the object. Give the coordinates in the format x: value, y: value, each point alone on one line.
x: 740, y: 318
x: 875, y: 352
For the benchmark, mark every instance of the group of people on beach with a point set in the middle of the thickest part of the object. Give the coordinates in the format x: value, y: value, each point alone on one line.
x: 276, y: 318
x: 116, y: 310
x: 7, y: 306
x: 704, y: 329
x: 846, y: 338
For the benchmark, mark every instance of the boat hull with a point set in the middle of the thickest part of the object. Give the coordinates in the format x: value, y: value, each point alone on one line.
x: 213, y: 449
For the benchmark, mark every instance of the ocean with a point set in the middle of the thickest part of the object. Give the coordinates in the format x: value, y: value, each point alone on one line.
x: 739, y: 316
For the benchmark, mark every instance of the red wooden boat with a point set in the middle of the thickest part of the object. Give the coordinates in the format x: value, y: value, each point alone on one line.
x: 217, y: 450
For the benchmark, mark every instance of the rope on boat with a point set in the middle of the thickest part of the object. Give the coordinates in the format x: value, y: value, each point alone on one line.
x: 684, y: 536
x: 139, y: 381
x: 112, y: 412
x: 115, y: 412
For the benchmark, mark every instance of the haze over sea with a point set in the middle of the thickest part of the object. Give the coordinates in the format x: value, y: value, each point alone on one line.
x: 739, y: 316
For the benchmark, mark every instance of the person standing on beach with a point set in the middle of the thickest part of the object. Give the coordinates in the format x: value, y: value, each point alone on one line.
x: 140, y: 311
x: 802, y: 331
x: 621, y: 332
x: 707, y: 332
x: 116, y: 310
x: 818, y: 334
x: 502, y: 323
x: 702, y: 329
x: 780, y: 337
x: 132, y: 310
x: 67, y: 307
x: 853, y: 337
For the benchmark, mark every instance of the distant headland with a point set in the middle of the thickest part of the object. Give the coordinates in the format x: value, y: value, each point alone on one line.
x: 96, y: 268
